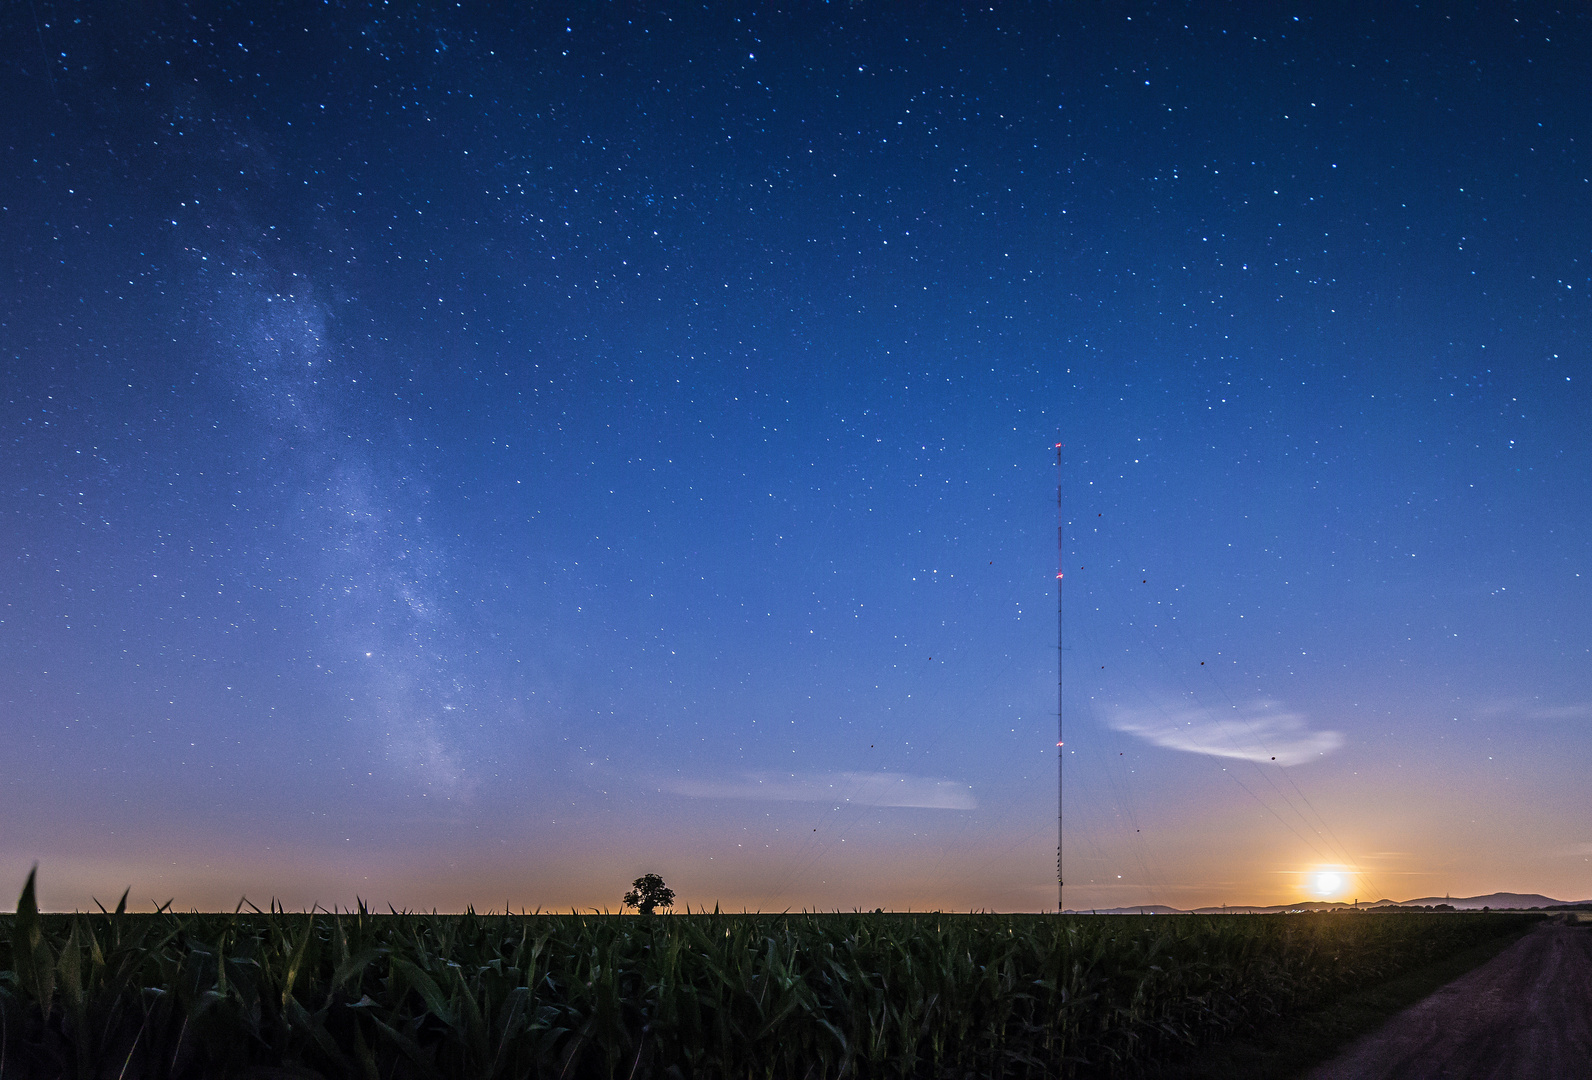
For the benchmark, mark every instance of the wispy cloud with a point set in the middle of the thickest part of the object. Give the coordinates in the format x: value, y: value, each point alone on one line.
x: 1562, y: 712
x: 1534, y: 708
x: 864, y: 789
x: 1262, y: 731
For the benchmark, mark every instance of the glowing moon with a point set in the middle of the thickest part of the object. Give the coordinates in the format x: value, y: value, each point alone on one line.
x: 1328, y: 883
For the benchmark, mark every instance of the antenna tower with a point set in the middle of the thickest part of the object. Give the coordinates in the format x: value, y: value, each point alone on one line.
x: 1061, y: 884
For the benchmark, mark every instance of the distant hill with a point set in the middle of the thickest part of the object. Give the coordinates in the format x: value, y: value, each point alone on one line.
x: 1303, y: 905
x: 1495, y: 901
x: 1476, y: 903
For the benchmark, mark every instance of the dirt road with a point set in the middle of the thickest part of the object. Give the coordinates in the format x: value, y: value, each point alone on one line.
x: 1524, y: 1015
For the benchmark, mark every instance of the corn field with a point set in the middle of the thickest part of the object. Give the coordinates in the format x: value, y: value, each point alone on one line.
x: 804, y: 997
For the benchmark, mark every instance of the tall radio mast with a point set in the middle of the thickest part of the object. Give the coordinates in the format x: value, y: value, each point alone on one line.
x: 1061, y: 884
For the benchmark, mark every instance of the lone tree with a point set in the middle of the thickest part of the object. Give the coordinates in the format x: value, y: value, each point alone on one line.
x: 649, y: 892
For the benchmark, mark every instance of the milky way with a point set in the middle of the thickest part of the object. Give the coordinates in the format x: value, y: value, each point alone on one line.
x: 459, y: 457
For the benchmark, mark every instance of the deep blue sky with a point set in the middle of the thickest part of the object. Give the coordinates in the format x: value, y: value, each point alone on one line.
x: 480, y: 456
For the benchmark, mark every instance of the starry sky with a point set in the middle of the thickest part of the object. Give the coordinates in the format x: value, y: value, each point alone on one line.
x: 480, y: 455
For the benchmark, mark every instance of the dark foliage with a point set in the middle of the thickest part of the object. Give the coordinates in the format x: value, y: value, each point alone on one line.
x: 648, y: 893
x: 564, y: 996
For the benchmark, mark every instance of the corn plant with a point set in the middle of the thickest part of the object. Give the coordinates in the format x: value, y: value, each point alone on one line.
x: 685, y: 997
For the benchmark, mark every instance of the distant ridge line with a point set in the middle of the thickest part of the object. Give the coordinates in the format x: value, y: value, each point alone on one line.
x: 1496, y: 901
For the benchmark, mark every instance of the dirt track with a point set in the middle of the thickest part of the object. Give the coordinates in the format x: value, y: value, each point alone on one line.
x: 1524, y: 1015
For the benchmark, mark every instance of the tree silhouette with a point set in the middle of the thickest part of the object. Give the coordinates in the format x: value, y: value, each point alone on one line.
x: 648, y: 892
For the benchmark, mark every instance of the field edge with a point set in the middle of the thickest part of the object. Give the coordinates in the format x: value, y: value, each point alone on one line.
x: 1286, y: 1048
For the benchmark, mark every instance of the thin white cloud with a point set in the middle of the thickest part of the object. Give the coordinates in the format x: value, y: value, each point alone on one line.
x: 1562, y: 712
x: 864, y: 789
x: 1533, y: 709
x: 1262, y: 731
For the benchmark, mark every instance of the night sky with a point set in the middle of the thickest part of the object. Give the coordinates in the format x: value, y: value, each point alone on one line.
x: 481, y: 456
